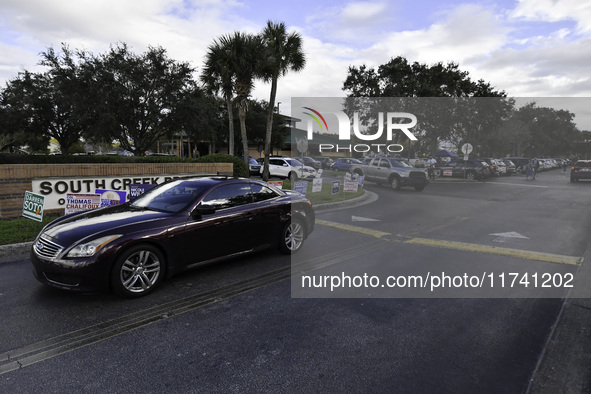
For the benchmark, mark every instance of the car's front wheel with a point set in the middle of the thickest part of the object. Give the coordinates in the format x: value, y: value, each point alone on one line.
x: 395, y: 183
x: 137, y: 271
x: 470, y: 175
x: 292, y: 237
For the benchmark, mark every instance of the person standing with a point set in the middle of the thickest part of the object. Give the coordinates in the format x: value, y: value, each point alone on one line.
x: 431, y: 167
x: 529, y: 171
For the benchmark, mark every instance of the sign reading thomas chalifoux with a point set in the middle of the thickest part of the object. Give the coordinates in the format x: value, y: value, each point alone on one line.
x: 81, y: 202
x: 33, y: 206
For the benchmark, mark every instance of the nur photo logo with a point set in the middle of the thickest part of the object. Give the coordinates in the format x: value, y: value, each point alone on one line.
x: 387, y: 122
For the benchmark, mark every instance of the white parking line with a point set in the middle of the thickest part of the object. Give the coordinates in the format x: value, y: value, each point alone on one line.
x: 513, y: 184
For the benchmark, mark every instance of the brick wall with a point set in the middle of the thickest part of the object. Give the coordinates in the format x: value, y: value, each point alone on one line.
x: 15, y: 179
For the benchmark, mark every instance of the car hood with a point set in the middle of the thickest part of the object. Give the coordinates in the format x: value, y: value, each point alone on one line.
x: 123, y: 218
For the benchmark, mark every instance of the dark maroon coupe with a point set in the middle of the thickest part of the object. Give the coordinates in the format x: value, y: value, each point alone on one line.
x: 131, y: 247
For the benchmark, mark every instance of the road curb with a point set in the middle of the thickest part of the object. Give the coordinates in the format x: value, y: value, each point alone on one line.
x: 365, y: 198
x: 15, y: 251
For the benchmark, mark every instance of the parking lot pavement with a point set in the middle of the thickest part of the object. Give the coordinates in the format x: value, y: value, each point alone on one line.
x: 564, y: 367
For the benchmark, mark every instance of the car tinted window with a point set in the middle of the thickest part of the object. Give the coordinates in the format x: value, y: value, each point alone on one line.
x: 227, y: 196
x: 170, y: 197
x: 276, y: 162
x: 262, y: 193
x: 583, y: 164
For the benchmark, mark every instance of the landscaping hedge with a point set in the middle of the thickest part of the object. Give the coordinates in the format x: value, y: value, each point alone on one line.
x: 240, y: 168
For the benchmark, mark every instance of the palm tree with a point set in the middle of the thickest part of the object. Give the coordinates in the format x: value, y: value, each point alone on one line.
x: 218, y: 77
x: 246, y: 50
x: 231, y: 66
x: 283, y: 52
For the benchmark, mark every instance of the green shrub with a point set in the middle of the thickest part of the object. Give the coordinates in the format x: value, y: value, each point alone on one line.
x: 240, y: 168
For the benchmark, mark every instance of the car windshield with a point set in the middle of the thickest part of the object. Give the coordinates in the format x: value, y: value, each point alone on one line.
x: 399, y: 163
x: 294, y: 162
x: 170, y: 197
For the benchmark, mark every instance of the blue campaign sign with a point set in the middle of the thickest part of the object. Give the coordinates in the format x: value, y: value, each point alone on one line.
x: 301, y: 187
x: 136, y: 190
x: 336, y: 187
x: 111, y: 197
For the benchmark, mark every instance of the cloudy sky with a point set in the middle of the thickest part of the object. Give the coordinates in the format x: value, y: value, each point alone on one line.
x: 529, y: 48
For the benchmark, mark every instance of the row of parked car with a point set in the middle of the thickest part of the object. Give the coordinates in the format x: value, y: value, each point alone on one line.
x: 473, y: 168
x: 478, y: 169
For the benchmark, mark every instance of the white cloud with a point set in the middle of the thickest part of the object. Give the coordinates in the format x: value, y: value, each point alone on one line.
x: 468, y: 32
x: 554, y: 11
x: 505, y: 47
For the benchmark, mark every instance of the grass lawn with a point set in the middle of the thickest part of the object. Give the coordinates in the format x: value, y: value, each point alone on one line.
x: 17, y: 230
x: 325, y: 195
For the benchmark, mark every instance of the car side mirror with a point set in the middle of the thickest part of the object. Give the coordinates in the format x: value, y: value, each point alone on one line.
x: 203, y: 209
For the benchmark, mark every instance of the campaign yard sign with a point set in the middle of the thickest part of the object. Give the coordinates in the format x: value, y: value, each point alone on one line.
x: 336, y: 187
x: 301, y: 187
x: 33, y: 206
x: 317, y: 185
x: 111, y: 197
x: 81, y: 202
x: 136, y: 190
x: 350, y: 186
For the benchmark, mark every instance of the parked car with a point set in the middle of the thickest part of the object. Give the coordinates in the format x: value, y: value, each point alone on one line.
x: 418, y: 163
x: 254, y: 167
x: 520, y: 164
x: 289, y: 168
x: 511, y: 168
x: 580, y: 170
x: 130, y: 248
x: 308, y: 161
x: 501, y: 167
x: 493, y: 167
x: 472, y: 169
x: 326, y: 162
x: 344, y: 164
x: 395, y: 172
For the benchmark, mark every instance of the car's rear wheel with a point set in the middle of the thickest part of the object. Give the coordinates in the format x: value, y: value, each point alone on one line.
x: 292, y: 237
x: 293, y: 176
x: 137, y: 271
x: 470, y: 175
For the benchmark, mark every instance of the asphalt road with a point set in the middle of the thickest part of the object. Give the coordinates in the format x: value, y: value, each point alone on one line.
x: 244, y: 326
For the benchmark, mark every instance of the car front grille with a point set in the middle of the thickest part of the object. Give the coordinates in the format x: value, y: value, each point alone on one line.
x: 46, y: 248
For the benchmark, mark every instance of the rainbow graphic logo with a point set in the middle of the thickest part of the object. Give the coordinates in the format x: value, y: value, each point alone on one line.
x: 316, y: 113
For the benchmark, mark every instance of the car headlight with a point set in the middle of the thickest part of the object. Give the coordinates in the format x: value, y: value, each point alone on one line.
x: 88, y: 249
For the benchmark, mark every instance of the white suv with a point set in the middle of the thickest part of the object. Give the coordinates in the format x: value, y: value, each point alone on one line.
x: 286, y: 167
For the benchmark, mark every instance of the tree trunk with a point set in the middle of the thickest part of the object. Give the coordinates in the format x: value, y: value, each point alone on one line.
x: 270, y: 111
x: 230, y: 126
x: 242, y: 116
